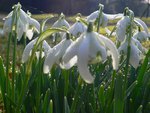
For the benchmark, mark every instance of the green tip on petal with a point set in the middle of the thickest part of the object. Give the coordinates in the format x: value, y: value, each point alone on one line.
x: 79, y: 15
x: 101, y: 6
x: 68, y: 36
x: 29, y: 13
x: 90, y: 27
x: 131, y: 14
x: 126, y: 10
x: 62, y: 16
x: 139, y: 28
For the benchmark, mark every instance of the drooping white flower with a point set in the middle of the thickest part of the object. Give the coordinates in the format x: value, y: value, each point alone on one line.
x: 87, y: 48
x: 135, y: 53
x: 77, y: 28
x: 55, y: 55
x: 122, y: 27
x: 28, y: 50
x: 104, y: 18
x: 24, y: 21
x: 61, y: 22
x: 141, y: 36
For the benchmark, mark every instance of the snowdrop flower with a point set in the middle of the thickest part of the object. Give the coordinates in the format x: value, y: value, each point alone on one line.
x: 24, y: 21
x: 55, y: 55
x: 87, y: 48
x: 141, y: 36
x: 28, y: 50
x: 125, y: 22
x: 135, y: 53
x: 121, y: 28
x: 139, y: 45
x: 104, y: 18
x: 77, y: 28
x: 61, y: 22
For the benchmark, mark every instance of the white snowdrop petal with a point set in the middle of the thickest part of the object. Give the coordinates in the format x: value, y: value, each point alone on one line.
x: 83, y: 62
x: 112, y: 49
x: 121, y: 28
x: 46, y: 47
x: 34, y: 23
x: 69, y: 64
x: 134, y: 56
x: 7, y: 25
x: 72, y: 50
x: 104, y: 20
x: 29, y: 34
x: 141, y: 36
x: 50, y: 60
x: 92, y: 16
x: 142, y: 24
x: 123, y: 48
x: 20, y: 29
x: 114, y: 16
x: 61, y: 23
x: 96, y: 46
x: 138, y: 44
x: 27, y: 50
x: 23, y: 16
x: 77, y: 28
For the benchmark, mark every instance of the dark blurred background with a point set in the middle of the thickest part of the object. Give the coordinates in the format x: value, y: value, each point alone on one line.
x: 71, y: 7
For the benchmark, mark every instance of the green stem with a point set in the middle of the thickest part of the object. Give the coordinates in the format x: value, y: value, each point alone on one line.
x: 14, y: 67
x: 24, y: 37
x: 7, y: 71
x: 39, y: 80
x: 99, y: 17
x: 127, y: 63
x: 66, y: 77
x: 75, y: 101
x: 7, y: 60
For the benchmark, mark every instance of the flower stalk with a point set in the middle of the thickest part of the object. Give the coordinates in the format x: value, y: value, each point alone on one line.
x: 99, y: 16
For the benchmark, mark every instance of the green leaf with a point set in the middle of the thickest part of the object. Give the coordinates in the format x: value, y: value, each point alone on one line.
x: 101, y: 97
x: 118, y: 95
x: 56, y: 99
x: 66, y: 106
x: 2, y: 78
x: 51, y: 106
x: 139, y: 110
x: 143, y: 69
x: 130, y: 89
x: 46, y: 101
x: 44, y: 22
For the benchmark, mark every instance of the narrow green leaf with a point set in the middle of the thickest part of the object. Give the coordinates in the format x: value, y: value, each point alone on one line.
x: 139, y: 110
x: 56, y: 99
x: 143, y: 69
x: 101, y: 98
x: 44, y: 22
x: 46, y: 101
x: 118, y: 95
x: 66, y: 106
x: 130, y: 89
x: 51, y: 106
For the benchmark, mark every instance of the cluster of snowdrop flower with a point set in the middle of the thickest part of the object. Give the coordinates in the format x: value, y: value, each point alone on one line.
x: 21, y: 21
x: 81, y: 45
x: 124, y: 34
